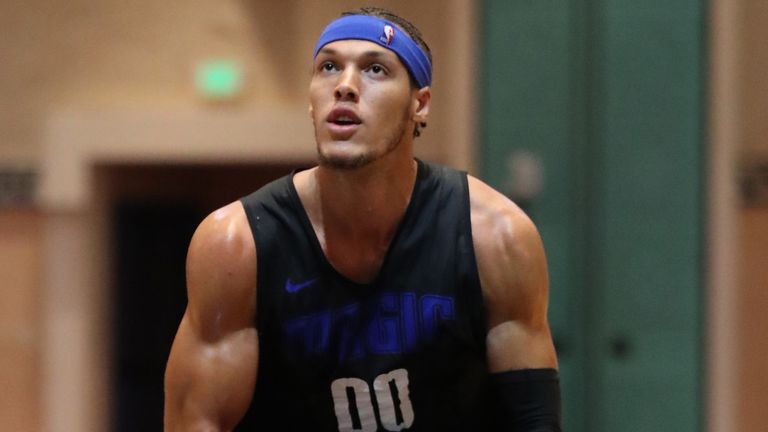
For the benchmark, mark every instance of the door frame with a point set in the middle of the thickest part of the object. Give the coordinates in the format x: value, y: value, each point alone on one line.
x: 76, y: 329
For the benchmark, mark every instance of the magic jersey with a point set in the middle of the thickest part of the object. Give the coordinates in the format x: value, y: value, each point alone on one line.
x: 403, y: 352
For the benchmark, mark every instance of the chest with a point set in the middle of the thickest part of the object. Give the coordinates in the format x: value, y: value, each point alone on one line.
x: 359, y: 262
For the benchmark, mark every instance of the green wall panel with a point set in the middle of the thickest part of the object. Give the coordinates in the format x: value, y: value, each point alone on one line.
x: 530, y: 103
x: 608, y: 96
x: 646, y: 161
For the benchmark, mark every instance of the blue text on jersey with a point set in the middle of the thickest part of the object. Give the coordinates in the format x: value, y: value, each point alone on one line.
x: 391, y: 323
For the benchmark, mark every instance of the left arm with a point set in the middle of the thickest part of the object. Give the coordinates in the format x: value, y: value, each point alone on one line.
x: 513, y: 274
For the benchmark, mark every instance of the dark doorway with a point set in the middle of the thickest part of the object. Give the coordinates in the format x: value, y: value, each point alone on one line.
x: 154, y: 211
x: 150, y: 300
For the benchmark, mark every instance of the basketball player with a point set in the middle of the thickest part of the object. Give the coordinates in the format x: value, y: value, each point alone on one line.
x: 373, y: 292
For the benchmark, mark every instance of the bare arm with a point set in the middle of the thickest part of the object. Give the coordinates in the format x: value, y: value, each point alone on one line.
x: 211, y: 370
x: 513, y: 274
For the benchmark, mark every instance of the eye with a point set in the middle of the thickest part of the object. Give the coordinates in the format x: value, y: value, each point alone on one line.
x: 376, y: 69
x: 328, y: 66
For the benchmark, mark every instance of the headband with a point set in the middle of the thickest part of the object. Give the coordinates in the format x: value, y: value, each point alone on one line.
x: 384, y: 33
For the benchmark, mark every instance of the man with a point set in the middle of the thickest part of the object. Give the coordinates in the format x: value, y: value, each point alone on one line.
x: 374, y: 291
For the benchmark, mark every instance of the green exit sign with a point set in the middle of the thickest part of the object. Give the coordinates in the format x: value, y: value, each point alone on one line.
x: 219, y: 79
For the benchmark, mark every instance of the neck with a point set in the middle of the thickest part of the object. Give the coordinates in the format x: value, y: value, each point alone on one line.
x: 355, y: 213
x: 368, y: 202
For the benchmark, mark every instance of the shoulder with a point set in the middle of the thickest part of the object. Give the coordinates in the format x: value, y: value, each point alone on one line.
x: 510, y: 255
x: 497, y: 222
x: 221, y: 269
x: 223, y: 236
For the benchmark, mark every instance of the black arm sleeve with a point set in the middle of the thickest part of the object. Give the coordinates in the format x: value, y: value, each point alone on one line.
x: 527, y: 400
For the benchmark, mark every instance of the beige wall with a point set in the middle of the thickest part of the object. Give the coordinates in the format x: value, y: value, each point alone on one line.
x: 753, y: 225
x: 753, y: 317
x: 20, y: 263
x: 80, y: 54
x: 738, y: 233
x: 737, y: 240
x: 108, y: 54
x: 755, y: 71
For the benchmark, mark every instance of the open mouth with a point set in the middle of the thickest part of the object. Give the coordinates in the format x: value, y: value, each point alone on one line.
x: 344, y: 117
x: 345, y: 121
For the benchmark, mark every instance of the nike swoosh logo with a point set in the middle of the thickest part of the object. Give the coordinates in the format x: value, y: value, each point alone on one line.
x: 296, y: 287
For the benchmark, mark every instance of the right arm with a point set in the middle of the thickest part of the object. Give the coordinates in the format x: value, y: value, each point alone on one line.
x: 211, y: 370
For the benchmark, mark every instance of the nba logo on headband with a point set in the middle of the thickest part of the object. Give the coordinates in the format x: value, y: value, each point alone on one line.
x: 389, y: 34
x: 379, y: 31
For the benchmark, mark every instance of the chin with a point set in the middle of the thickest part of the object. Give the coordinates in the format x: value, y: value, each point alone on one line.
x: 344, y: 160
x: 349, y: 154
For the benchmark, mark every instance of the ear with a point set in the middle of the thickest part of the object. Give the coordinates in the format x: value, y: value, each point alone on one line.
x: 311, y: 111
x: 421, y: 104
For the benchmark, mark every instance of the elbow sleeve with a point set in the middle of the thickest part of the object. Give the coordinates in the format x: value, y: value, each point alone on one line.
x: 527, y: 400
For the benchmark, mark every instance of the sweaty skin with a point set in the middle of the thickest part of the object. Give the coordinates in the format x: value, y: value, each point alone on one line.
x: 211, y: 369
x: 354, y: 209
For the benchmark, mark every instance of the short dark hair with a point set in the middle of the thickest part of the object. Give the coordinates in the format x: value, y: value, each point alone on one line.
x: 401, y: 22
x: 407, y: 27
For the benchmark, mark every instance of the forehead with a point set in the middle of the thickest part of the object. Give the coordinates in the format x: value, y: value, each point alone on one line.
x: 354, y: 48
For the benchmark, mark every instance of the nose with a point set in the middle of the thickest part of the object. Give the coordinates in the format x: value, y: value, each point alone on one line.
x: 347, y: 88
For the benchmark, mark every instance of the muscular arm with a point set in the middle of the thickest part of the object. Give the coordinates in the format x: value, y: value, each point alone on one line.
x: 211, y: 370
x: 513, y: 275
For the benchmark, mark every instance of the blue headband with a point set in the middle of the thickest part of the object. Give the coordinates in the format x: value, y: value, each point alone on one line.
x: 386, y: 34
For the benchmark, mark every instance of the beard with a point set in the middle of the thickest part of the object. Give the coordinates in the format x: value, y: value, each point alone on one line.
x: 333, y: 160
x: 344, y: 163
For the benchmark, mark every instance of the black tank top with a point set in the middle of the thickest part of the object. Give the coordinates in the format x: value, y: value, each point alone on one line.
x: 404, y: 352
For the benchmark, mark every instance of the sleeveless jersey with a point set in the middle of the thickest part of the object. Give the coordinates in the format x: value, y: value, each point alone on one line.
x: 404, y: 352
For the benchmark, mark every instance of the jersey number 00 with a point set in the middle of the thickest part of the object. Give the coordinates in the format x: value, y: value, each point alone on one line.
x: 354, y: 408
